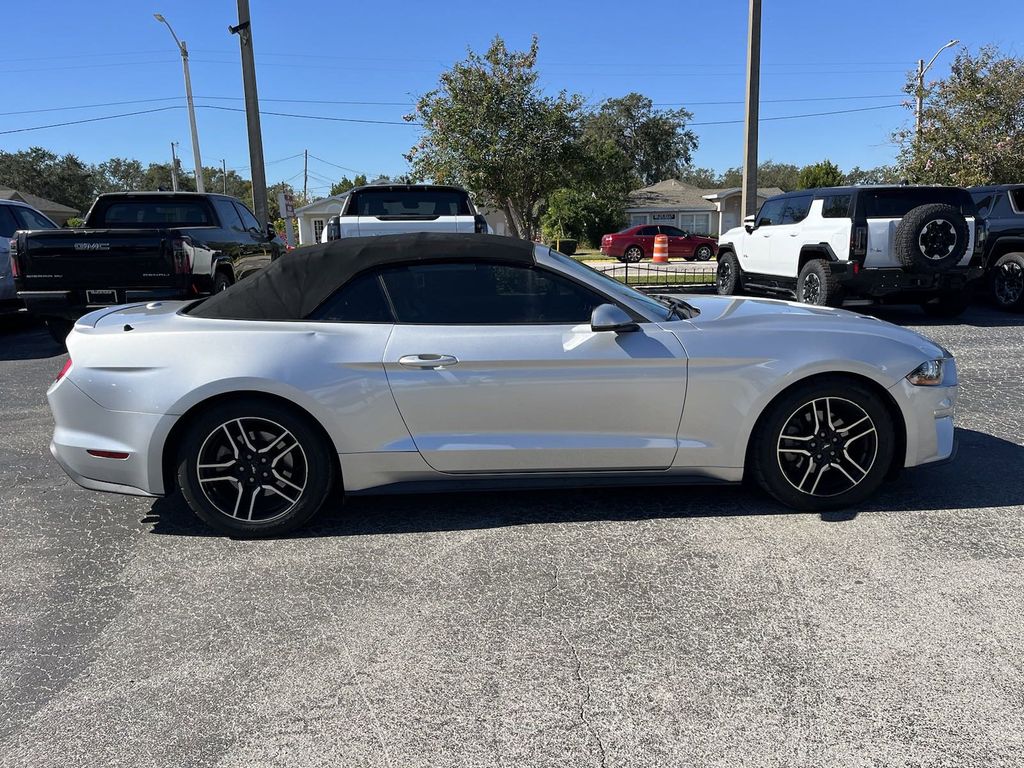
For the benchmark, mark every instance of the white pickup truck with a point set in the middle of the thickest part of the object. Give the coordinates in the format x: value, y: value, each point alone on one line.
x: 390, y: 209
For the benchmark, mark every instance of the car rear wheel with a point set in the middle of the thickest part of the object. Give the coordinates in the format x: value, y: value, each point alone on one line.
x: 729, y: 279
x: 825, y: 445
x: 633, y: 254
x: 1008, y: 282
x: 254, y: 468
x: 816, y: 284
x: 703, y: 253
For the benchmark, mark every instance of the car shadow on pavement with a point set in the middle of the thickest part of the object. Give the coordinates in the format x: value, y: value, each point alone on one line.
x: 979, y: 314
x: 24, y: 338
x: 987, y: 472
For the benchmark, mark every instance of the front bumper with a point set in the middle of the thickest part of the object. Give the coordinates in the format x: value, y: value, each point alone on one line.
x: 880, y: 282
x: 928, y: 415
x: 83, y: 425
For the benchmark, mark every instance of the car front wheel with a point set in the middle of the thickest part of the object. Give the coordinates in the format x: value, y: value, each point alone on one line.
x: 825, y: 445
x: 729, y: 279
x: 254, y: 468
x: 703, y: 253
x: 1008, y: 282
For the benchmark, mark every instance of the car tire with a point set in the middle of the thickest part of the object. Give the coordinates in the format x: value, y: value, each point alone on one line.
x: 1006, y: 281
x: 729, y: 277
x: 931, y: 238
x: 818, y: 285
x: 633, y: 254
x: 947, y: 305
x: 221, y: 282
x: 59, y: 328
x: 234, y: 477
x: 703, y: 253
x: 824, y: 445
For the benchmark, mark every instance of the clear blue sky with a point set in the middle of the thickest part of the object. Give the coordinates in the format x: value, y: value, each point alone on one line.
x: 688, y: 53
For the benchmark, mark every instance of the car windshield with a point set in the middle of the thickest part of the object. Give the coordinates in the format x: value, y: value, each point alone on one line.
x: 410, y: 202
x: 658, y: 308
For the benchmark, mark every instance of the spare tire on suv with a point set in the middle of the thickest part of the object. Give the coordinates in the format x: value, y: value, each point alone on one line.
x: 931, y: 238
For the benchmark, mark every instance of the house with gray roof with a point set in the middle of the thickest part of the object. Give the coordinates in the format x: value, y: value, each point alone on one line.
x: 701, y: 211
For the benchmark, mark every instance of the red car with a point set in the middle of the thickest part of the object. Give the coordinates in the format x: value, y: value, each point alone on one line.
x: 637, y: 243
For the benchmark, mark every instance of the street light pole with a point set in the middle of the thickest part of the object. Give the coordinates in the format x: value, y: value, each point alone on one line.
x: 921, y: 71
x: 183, y: 50
x: 753, y: 102
x: 252, y: 114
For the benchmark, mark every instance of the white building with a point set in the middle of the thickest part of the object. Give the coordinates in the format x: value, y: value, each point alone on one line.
x: 313, y: 217
x: 701, y: 211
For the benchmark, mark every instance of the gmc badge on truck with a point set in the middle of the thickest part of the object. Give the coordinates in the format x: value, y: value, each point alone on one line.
x: 92, y: 246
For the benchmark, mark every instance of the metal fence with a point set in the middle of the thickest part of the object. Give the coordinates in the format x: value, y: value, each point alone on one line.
x: 646, y: 274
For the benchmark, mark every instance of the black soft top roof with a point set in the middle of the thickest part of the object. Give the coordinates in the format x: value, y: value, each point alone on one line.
x: 298, y: 282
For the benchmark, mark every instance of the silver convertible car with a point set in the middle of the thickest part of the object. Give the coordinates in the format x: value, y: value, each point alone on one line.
x: 437, y: 361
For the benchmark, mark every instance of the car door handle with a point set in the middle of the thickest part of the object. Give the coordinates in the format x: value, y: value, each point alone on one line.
x: 793, y: 234
x: 428, y: 361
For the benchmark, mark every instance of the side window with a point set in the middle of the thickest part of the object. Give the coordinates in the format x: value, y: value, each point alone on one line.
x: 771, y: 213
x: 673, y: 232
x: 1017, y: 199
x: 228, y: 214
x: 836, y: 206
x: 247, y: 218
x: 30, y: 219
x: 796, y: 209
x: 460, y: 293
x: 361, y: 300
x: 648, y: 232
x: 8, y: 224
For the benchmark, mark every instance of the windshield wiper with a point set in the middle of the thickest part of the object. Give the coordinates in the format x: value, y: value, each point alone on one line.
x: 681, y: 309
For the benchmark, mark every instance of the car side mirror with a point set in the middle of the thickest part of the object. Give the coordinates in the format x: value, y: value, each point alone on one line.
x: 750, y: 224
x: 271, y: 232
x: 608, y: 317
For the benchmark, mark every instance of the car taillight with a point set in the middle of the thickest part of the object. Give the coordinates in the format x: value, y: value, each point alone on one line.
x: 480, y: 224
x: 63, y: 371
x: 180, y: 256
x: 14, y: 258
x: 980, y: 235
x: 859, y: 242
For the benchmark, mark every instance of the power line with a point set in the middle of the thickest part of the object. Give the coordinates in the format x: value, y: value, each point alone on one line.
x: 91, y: 119
x: 312, y: 117
x: 794, y: 117
x: 774, y: 101
x: 342, y: 167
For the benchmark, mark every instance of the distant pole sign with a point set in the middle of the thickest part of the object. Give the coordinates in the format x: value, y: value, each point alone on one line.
x: 286, y: 204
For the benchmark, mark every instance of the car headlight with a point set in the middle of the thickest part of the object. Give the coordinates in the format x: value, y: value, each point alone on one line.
x: 927, y: 374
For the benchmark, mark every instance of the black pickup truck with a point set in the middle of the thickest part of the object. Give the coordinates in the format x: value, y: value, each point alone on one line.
x: 1002, y: 208
x: 137, y: 247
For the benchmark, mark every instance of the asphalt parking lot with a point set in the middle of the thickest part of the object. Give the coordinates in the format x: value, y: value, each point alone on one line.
x: 650, y: 627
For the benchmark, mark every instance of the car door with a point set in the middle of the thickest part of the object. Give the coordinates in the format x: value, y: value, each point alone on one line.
x: 645, y: 239
x: 256, y: 249
x: 785, y: 242
x: 756, y: 255
x: 495, y: 369
x: 680, y: 245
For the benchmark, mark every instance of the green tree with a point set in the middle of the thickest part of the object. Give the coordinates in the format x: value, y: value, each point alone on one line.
x: 704, y: 178
x: 158, y: 177
x: 883, y: 174
x: 785, y: 176
x: 215, y: 180
x: 823, y: 174
x: 972, y: 124
x: 580, y: 215
x: 119, y: 174
x: 345, y: 184
x: 62, y: 178
x: 489, y: 127
x: 656, y: 143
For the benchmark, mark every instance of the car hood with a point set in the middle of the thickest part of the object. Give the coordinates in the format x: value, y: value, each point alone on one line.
x: 756, y: 315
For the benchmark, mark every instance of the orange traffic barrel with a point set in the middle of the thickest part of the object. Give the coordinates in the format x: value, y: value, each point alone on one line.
x: 660, y: 249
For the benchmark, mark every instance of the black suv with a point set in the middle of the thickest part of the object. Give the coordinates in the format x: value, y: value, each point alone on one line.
x: 1002, y: 209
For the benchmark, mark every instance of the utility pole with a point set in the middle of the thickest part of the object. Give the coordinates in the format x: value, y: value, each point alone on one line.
x: 183, y: 50
x: 305, y: 175
x: 753, y: 103
x: 252, y: 113
x: 921, y: 71
x: 174, y: 167
x: 224, y: 174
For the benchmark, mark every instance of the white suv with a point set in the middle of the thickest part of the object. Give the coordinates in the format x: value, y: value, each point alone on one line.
x: 390, y: 209
x: 859, y: 245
